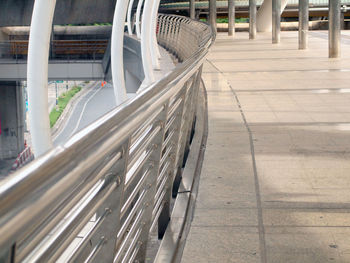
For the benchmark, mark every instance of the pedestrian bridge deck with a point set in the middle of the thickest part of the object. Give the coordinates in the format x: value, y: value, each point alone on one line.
x: 276, y: 174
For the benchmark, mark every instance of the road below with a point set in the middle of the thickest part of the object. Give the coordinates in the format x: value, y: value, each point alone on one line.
x: 94, y: 104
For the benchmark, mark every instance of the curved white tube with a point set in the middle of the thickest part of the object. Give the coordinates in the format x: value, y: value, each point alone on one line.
x: 146, y: 35
x: 159, y: 56
x: 153, y: 38
x: 155, y: 30
x: 117, y: 43
x: 264, y: 15
x: 129, y: 17
x: 138, y: 15
x: 37, y: 75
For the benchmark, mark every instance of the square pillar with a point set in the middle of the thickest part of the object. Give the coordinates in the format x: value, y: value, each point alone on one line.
x: 11, y: 119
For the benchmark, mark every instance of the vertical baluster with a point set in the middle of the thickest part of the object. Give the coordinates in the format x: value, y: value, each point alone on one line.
x: 184, y: 128
x: 179, y: 39
x: 161, y: 30
x: 110, y: 209
x: 112, y: 225
x: 165, y: 214
x: 192, y: 115
x: 171, y: 34
x: 151, y: 183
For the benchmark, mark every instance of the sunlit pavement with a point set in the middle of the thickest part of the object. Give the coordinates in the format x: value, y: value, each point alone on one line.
x: 276, y: 175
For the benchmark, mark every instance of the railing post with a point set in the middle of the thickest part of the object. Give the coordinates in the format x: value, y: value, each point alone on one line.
x: 212, y: 14
x: 111, y: 225
x: 252, y: 19
x: 176, y: 29
x: 276, y: 21
x: 303, y: 23
x: 231, y: 17
x: 192, y: 114
x: 162, y: 28
x: 151, y: 183
x: 186, y: 122
x: 109, y: 214
x: 181, y: 136
x: 169, y: 33
x: 334, y: 28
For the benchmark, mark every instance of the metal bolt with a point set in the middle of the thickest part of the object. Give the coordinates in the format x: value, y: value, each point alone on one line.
x: 118, y: 180
x: 161, y: 124
x: 123, y: 151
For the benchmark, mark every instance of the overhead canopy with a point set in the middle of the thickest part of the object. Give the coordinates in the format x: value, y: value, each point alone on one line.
x: 19, y: 12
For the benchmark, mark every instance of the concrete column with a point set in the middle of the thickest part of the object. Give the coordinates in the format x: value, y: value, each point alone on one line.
x: 11, y: 119
x: 334, y: 28
x: 231, y: 17
x: 276, y: 21
x: 303, y: 23
x: 3, y: 37
x: 264, y: 15
x: 212, y: 13
x: 252, y: 19
x: 192, y: 9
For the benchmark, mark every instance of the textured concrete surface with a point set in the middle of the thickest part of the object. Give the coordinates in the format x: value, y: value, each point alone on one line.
x: 11, y: 120
x: 275, y: 180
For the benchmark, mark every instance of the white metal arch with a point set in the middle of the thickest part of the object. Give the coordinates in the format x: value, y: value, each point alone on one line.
x: 117, y: 43
x: 129, y: 19
x: 37, y: 75
x: 138, y: 17
x: 155, y: 54
x: 146, y: 35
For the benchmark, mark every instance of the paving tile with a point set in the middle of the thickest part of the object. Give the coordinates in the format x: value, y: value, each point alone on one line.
x: 238, y: 245
x: 225, y: 217
x: 295, y: 217
x: 296, y: 105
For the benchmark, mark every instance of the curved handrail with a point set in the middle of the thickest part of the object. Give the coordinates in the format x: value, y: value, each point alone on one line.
x: 118, y: 170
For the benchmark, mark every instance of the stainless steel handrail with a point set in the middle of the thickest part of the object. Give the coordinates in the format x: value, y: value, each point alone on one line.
x: 46, y: 205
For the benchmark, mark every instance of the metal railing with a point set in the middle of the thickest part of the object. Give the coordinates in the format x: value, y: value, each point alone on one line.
x: 97, y: 197
x: 176, y: 35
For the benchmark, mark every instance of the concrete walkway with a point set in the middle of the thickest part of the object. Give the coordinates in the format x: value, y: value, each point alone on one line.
x: 275, y: 183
